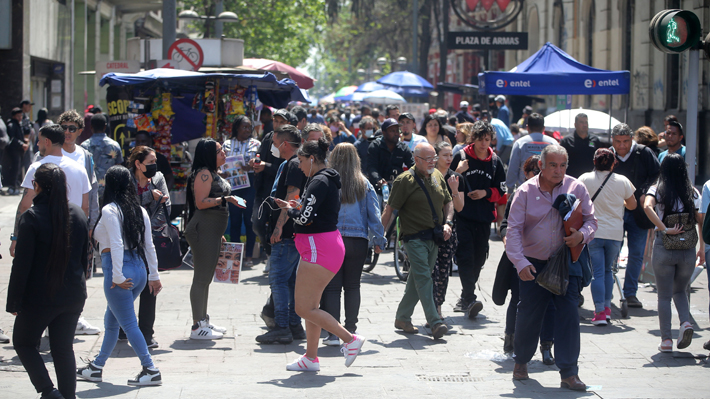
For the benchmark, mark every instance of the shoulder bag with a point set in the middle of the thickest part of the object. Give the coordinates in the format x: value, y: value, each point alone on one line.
x: 438, y: 230
x: 602, y: 186
x: 687, y: 239
x: 166, y: 240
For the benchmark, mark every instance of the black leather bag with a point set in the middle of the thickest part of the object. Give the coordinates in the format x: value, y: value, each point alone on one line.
x: 167, y: 244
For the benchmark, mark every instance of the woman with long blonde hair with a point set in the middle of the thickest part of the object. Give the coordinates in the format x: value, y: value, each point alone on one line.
x: 359, y: 212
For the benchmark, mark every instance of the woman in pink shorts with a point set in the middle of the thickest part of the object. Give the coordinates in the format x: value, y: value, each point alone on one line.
x: 320, y: 245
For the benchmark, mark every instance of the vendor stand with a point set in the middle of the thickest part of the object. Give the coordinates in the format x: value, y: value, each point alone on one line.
x: 176, y: 106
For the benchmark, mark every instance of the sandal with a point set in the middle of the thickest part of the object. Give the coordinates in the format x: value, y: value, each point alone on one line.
x: 666, y: 346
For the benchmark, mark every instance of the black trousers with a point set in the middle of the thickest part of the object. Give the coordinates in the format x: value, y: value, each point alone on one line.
x: 146, y: 315
x: 347, y: 279
x: 29, y: 326
x: 471, y: 254
x: 11, y: 169
x: 534, y: 303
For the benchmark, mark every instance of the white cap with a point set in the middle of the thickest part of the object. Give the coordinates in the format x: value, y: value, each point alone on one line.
x: 464, y: 104
x: 500, y: 98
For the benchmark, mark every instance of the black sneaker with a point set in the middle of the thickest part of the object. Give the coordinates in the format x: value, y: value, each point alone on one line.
x: 152, y: 343
x: 461, y: 306
x: 147, y: 377
x: 91, y: 372
x: 55, y: 394
x: 276, y: 336
x: 475, y: 308
x: 297, y: 331
x: 633, y: 302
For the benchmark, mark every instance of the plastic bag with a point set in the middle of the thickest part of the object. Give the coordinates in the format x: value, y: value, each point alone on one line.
x: 555, y: 276
x: 187, y: 259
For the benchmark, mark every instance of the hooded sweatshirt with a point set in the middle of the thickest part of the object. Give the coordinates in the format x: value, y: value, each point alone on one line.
x: 481, y: 175
x: 320, y: 204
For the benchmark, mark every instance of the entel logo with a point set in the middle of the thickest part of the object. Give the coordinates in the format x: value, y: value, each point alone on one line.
x: 515, y: 83
x: 589, y: 83
x: 501, y: 83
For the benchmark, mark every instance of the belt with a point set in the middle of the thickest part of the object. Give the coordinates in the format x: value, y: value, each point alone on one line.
x: 422, y: 235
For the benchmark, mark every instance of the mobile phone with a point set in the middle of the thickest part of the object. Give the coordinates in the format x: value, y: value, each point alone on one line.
x: 241, y: 201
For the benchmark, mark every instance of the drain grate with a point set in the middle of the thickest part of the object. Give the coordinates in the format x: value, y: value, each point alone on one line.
x: 465, y: 377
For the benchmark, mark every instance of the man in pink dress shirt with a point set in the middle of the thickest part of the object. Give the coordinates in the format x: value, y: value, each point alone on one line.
x: 535, y: 232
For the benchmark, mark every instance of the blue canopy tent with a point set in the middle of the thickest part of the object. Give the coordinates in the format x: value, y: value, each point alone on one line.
x: 551, y: 71
x: 272, y: 92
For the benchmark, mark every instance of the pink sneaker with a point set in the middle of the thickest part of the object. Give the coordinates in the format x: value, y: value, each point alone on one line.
x: 607, y: 311
x: 352, y: 349
x: 304, y: 364
x: 599, y: 319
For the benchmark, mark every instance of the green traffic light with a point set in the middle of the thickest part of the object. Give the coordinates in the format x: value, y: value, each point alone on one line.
x: 672, y: 35
x: 674, y: 31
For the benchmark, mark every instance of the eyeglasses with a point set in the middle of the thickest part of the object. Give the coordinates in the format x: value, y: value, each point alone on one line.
x: 71, y: 129
x: 430, y: 159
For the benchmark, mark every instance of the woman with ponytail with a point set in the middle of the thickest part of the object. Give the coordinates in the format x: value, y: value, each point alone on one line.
x: 124, y: 235
x: 47, y: 289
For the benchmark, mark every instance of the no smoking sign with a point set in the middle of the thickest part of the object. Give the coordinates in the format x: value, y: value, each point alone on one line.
x: 185, y: 54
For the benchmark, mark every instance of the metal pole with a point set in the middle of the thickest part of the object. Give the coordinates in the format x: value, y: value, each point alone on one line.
x: 415, y: 31
x: 219, y: 7
x: 169, y: 26
x: 691, y: 133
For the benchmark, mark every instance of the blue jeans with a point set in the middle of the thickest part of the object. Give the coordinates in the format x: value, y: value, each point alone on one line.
x: 282, y: 279
x: 120, y: 311
x: 534, y: 302
x: 603, y: 253
x: 636, y: 241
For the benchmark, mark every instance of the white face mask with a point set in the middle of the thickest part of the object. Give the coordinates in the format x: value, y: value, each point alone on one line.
x: 275, y: 151
x: 369, y: 133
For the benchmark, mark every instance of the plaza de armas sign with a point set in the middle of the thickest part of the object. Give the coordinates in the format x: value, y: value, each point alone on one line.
x: 485, y: 17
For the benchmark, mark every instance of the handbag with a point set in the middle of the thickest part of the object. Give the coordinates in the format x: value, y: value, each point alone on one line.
x: 555, y: 276
x: 438, y: 230
x: 687, y: 239
x: 166, y: 240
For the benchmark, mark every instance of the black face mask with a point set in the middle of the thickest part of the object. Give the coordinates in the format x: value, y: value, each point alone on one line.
x: 150, y: 170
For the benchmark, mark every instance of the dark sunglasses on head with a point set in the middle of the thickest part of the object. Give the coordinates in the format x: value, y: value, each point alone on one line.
x: 71, y: 129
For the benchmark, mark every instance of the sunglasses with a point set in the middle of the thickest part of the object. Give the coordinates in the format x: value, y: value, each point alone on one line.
x: 71, y: 129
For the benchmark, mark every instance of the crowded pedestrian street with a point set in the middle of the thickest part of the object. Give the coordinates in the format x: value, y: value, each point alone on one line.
x: 618, y: 361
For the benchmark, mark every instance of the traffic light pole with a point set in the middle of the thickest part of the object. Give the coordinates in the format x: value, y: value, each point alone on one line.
x: 691, y: 133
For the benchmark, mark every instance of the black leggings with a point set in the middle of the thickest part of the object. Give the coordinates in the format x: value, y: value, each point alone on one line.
x: 348, y: 279
x: 29, y: 326
x: 471, y: 255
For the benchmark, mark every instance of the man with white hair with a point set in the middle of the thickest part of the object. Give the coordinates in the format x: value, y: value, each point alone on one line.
x: 420, y: 213
x: 503, y: 111
x: 535, y: 232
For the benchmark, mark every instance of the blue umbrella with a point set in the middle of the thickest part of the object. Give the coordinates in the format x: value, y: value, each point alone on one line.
x: 368, y: 87
x: 405, y: 79
x: 384, y: 97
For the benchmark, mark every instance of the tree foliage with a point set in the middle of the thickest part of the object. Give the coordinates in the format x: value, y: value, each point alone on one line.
x: 282, y: 30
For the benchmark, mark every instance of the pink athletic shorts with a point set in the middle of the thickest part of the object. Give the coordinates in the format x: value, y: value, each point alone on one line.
x: 325, y: 249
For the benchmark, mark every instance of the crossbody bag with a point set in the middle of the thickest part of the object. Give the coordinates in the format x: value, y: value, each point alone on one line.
x: 438, y: 230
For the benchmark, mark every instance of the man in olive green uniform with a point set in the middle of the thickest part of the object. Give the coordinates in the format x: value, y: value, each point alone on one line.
x: 417, y: 224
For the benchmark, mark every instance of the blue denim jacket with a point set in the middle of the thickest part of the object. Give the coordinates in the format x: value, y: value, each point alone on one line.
x: 362, y: 218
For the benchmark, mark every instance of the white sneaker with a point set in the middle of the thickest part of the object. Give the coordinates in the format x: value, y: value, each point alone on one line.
x: 331, y: 340
x: 90, y: 372
x: 267, y: 266
x: 84, y: 328
x: 219, y: 329
x: 304, y: 364
x: 147, y: 377
x: 203, y: 331
x: 352, y: 349
x: 685, y: 335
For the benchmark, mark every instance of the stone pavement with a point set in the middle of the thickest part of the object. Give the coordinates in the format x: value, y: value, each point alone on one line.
x: 618, y: 361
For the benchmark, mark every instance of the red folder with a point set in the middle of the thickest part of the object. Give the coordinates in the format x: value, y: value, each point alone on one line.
x: 574, y: 220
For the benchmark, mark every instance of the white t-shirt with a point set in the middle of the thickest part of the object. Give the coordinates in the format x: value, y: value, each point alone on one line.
x: 414, y: 141
x: 77, y: 180
x: 678, y: 207
x: 78, y: 155
x: 609, y: 204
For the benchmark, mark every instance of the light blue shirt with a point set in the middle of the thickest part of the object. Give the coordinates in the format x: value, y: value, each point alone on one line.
x: 664, y: 153
x: 503, y: 134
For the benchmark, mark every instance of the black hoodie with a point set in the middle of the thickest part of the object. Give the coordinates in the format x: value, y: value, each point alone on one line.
x: 320, y: 204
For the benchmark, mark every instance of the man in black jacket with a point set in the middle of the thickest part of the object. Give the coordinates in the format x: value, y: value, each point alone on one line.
x: 387, y: 156
x: 484, y: 175
x: 580, y: 147
x: 640, y: 165
x: 368, y: 127
x: 12, y: 157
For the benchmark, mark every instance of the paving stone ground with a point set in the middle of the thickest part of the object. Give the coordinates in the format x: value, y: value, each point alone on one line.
x: 617, y: 361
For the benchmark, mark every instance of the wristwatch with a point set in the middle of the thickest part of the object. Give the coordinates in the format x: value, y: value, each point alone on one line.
x: 13, y: 237
x: 450, y: 223
x: 664, y: 231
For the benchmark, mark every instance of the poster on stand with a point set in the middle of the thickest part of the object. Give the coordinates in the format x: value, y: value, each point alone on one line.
x: 234, y: 172
x: 229, y: 264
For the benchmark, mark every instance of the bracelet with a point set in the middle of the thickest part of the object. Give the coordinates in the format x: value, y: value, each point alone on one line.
x: 13, y: 237
x: 450, y: 223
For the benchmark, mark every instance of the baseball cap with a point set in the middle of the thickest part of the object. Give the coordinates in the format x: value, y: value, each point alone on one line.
x: 389, y: 122
x: 485, y: 113
x: 27, y: 102
x: 527, y: 110
x: 477, y: 107
x: 432, y: 110
x: 290, y: 118
x: 500, y: 98
x: 463, y: 104
x: 405, y: 115
x: 16, y: 111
